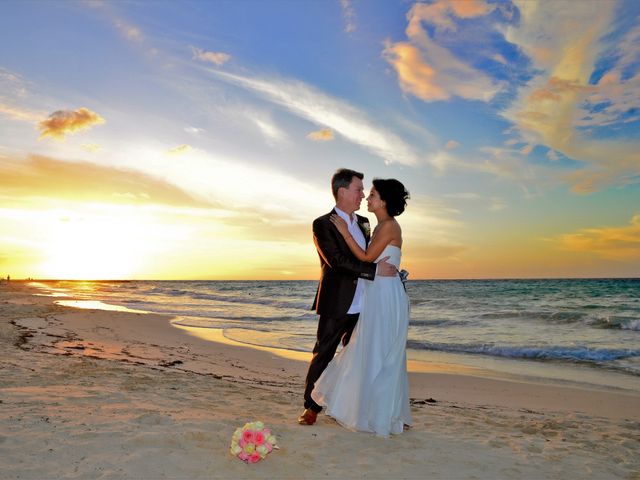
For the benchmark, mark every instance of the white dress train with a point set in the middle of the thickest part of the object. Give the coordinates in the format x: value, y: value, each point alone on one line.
x: 365, y: 387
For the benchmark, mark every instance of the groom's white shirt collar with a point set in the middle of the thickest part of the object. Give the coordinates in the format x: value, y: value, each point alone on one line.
x: 345, y: 216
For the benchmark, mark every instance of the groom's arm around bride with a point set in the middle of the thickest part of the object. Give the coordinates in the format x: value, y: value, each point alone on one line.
x: 340, y: 268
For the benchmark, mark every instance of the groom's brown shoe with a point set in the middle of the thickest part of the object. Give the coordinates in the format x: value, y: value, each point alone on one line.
x: 308, y: 417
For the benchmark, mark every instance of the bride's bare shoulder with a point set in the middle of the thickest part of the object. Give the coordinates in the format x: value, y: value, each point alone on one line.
x: 394, y: 226
x: 395, y: 233
x: 391, y: 231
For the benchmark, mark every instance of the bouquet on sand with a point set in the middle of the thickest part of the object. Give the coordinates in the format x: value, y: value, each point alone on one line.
x: 252, y: 442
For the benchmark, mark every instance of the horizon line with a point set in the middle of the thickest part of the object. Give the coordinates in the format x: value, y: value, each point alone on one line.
x: 30, y: 279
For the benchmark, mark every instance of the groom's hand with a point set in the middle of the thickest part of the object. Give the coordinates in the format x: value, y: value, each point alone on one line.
x: 386, y: 269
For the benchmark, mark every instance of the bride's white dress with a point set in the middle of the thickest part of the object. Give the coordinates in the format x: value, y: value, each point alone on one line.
x: 365, y: 387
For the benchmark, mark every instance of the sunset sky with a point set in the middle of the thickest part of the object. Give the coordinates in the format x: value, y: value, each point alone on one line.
x: 196, y: 140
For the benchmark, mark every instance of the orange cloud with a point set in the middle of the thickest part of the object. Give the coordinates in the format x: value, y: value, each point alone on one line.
x: 622, y: 243
x: 542, y: 94
x: 323, y: 135
x: 414, y: 74
x: 469, y: 8
x: 68, y: 121
x: 441, y: 12
x: 429, y: 70
x: 217, y: 58
x: 451, y: 144
x: 48, y: 177
x: 555, y: 87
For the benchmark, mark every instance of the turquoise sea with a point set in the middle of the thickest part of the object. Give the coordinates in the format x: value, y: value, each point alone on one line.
x: 584, y: 331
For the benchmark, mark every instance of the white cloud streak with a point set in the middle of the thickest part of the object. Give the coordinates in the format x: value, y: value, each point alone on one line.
x: 349, y: 15
x: 324, y: 110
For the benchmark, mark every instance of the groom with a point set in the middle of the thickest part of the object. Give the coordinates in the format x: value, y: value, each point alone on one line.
x: 340, y: 289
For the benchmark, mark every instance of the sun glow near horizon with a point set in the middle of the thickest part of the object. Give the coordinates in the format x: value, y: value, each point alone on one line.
x: 100, y: 243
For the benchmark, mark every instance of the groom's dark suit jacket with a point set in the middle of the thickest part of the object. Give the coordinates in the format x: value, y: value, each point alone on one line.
x: 340, y: 269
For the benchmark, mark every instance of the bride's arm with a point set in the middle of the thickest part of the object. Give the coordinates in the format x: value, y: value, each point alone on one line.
x: 382, y: 237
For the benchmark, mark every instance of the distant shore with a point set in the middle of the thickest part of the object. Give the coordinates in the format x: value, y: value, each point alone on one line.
x: 108, y: 394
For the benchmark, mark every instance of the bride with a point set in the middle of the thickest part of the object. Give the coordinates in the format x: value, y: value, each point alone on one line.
x: 365, y: 387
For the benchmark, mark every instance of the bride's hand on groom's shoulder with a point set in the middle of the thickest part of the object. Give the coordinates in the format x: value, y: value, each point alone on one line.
x: 340, y: 224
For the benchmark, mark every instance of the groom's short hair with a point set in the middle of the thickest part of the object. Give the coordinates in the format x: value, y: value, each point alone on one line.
x: 343, y: 178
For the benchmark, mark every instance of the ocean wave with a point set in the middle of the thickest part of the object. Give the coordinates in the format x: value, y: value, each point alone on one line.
x: 557, y: 317
x: 436, y: 323
x: 261, y: 338
x: 576, y: 354
x: 248, y: 299
x: 215, y: 321
x: 617, y: 322
x: 500, y: 315
x: 250, y: 293
x: 160, y: 298
x: 631, y: 325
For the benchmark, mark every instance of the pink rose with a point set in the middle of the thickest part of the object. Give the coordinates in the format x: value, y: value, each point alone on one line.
x: 242, y: 443
x: 243, y: 456
x: 266, y: 432
x: 258, y: 438
x: 248, y: 436
x: 269, y: 446
x: 254, y: 457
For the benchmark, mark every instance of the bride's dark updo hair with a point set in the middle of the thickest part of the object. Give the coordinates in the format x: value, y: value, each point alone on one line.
x: 393, y: 193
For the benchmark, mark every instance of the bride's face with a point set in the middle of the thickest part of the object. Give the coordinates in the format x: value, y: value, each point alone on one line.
x: 374, y: 202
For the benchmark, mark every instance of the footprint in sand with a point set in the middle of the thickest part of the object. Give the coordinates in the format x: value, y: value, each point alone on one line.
x: 534, y: 449
x: 529, y: 430
x: 153, y: 419
x: 497, y: 443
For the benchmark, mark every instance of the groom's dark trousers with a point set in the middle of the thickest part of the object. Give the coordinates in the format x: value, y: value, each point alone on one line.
x: 330, y: 332
x: 340, y: 271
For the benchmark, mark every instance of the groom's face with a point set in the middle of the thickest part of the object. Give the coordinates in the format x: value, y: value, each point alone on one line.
x: 354, y: 194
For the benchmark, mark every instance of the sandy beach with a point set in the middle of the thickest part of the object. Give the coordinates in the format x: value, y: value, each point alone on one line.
x: 108, y: 394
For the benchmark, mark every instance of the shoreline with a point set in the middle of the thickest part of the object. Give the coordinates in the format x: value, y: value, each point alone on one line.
x: 544, y: 372
x: 418, y: 361
x: 131, y: 395
x: 425, y: 377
